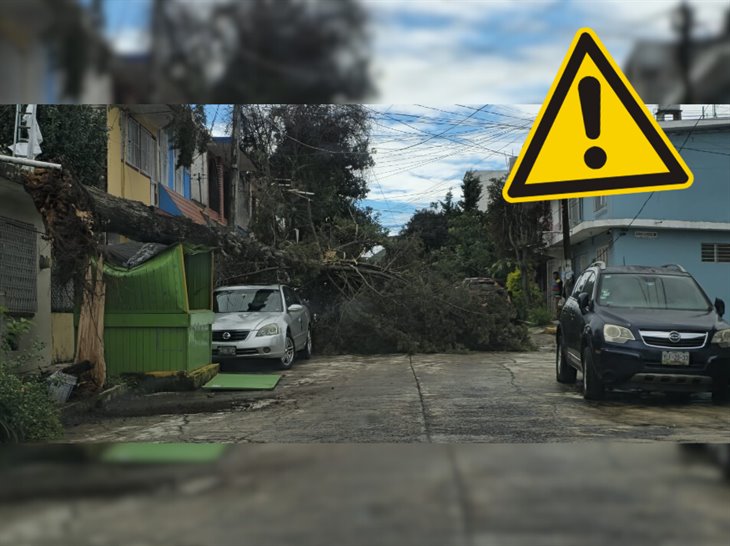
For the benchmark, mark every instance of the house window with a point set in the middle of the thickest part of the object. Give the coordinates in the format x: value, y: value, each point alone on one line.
x: 148, y: 163
x: 134, y: 152
x: 18, y: 258
x: 599, y: 203
x: 575, y: 211
x: 141, y: 149
x: 602, y: 254
x: 716, y: 252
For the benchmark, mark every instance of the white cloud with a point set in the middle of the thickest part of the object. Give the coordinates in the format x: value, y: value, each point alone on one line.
x: 447, y: 76
x: 130, y: 41
x: 515, y: 52
x: 220, y: 128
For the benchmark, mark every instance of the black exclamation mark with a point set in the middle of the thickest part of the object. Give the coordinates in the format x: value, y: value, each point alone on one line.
x: 589, y: 90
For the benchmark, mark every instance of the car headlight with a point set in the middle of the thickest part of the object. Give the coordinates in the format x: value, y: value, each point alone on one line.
x: 268, y: 330
x: 722, y: 338
x: 617, y: 334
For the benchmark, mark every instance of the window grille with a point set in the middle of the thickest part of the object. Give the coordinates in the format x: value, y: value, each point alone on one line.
x: 18, y: 265
x: 715, y: 252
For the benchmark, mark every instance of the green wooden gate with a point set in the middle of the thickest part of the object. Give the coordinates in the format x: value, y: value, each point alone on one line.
x: 158, y: 315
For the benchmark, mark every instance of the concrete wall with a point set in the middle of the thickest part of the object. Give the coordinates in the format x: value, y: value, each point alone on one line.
x: 681, y: 247
x: 706, y: 154
x: 16, y: 204
x: 199, y: 178
x: 485, y: 178
x: 63, y: 337
x: 27, y: 62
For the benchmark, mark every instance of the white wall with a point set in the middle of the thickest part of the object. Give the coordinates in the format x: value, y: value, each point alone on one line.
x: 199, y: 178
x: 16, y: 204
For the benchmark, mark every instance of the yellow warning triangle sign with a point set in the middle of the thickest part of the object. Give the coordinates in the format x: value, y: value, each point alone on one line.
x: 593, y: 136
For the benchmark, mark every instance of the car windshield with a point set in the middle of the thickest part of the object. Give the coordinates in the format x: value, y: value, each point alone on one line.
x: 245, y: 300
x: 647, y: 291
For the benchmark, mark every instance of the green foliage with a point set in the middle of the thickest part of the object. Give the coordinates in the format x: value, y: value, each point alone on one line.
x: 523, y: 302
x: 540, y: 315
x: 431, y: 227
x: 190, y: 133
x: 321, y: 149
x: 516, y: 229
x: 471, y: 188
x: 73, y: 135
x: 288, y: 50
x: 423, y: 313
x: 456, y: 243
x: 529, y: 307
x: 26, y: 411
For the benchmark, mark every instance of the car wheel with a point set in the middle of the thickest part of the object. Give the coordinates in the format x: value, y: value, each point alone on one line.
x: 593, y: 387
x: 564, y: 372
x: 307, y: 351
x: 289, y: 353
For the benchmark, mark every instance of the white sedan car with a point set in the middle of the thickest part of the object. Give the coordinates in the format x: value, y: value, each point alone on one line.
x: 260, y: 321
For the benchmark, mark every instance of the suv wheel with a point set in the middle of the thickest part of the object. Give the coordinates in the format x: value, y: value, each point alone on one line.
x: 564, y: 372
x: 593, y: 387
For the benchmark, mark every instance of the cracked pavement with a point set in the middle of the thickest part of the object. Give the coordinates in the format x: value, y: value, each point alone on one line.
x: 452, y: 398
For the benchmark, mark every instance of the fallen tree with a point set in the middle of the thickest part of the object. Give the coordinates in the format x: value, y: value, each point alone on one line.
x: 76, y: 215
x: 395, y: 305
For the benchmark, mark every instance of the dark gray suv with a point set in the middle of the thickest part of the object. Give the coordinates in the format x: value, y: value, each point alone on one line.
x: 651, y: 328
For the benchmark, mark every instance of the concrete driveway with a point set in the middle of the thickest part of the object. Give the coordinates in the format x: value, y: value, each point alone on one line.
x: 476, y: 397
x: 579, y: 494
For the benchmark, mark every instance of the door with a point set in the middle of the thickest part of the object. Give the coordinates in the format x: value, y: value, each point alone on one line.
x: 570, y: 321
x: 297, y: 318
x: 580, y: 316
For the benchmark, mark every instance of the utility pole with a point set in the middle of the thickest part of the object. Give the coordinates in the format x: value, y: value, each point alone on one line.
x: 682, y: 22
x: 565, y: 220
x: 235, y: 175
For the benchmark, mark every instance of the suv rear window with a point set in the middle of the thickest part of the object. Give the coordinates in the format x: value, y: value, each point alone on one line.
x: 646, y: 291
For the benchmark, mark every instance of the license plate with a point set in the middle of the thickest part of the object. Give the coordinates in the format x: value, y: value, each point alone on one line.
x: 226, y: 351
x: 675, y: 358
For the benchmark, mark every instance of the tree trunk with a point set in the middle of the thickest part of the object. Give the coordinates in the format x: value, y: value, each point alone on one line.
x: 75, y: 215
x: 90, y: 339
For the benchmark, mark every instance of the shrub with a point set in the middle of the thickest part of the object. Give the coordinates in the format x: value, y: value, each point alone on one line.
x: 519, y: 298
x: 540, y: 316
x: 424, y: 315
x: 26, y: 411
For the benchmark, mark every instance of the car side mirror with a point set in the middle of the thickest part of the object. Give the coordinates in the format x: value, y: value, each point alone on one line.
x: 294, y: 307
x: 719, y: 306
x: 583, y: 301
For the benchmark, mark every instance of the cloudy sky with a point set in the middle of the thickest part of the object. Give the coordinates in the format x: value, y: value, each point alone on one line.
x: 423, y: 150
x: 436, y: 63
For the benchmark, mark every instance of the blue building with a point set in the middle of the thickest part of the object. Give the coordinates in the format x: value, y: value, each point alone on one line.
x: 689, y: 227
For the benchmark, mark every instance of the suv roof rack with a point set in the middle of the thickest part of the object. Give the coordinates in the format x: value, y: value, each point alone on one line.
x: 676, y: 267
x: 599, y: 264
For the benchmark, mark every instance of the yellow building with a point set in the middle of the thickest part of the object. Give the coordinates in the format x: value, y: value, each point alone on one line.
x: 137, y: 143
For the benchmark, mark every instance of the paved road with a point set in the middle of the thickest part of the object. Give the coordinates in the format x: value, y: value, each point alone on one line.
x: 478, y: 397
x: 579, y: 494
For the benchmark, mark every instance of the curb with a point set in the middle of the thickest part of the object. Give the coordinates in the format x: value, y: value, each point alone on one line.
x: 97, y: 401
x: 150, y: 382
